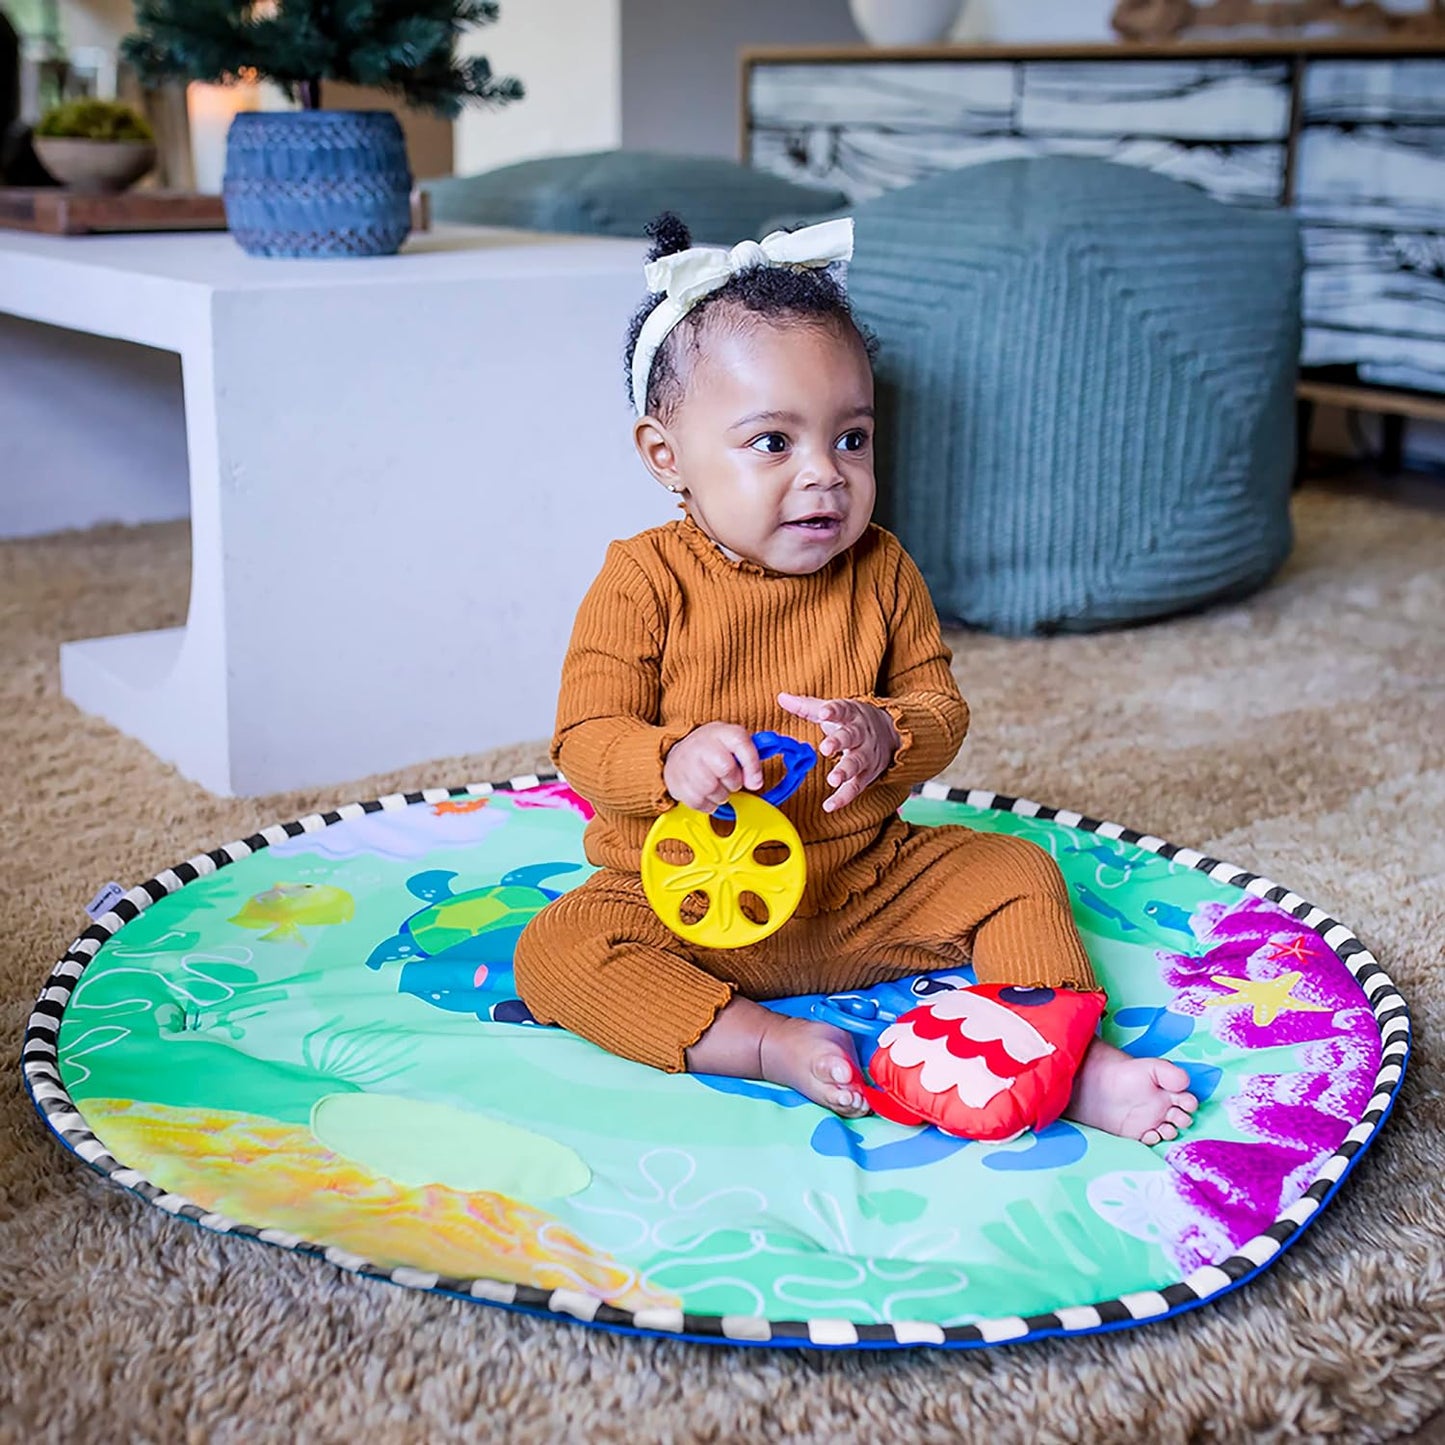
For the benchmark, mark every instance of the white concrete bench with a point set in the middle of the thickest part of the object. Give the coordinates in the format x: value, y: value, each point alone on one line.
x: 403, y: 473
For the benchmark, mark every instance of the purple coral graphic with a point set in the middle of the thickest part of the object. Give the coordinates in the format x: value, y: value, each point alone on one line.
x: 1239, y: 1187
x: 1267, y: 982
x: 1304, y: 1110
x: 1254, y: 944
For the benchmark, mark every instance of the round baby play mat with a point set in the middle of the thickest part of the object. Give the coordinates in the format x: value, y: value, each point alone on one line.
x: 311, y: 1037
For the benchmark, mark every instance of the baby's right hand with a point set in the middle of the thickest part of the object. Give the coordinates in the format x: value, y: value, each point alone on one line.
x: 710, y: 763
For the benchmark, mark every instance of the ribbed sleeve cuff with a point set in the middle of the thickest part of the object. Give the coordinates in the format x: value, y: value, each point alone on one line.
x: 658, y: 798
x: 621, y: 774
x: 899, y: 714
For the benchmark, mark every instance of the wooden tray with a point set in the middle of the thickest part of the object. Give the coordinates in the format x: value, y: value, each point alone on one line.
x: 59, y: 212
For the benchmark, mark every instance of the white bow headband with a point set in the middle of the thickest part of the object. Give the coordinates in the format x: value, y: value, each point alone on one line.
x: 687, y: 276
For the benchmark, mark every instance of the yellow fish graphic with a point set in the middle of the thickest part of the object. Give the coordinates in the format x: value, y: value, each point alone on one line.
x: 284, y: 907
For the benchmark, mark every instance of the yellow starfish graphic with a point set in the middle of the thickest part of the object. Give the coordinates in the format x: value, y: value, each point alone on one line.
x: 1270, y: 996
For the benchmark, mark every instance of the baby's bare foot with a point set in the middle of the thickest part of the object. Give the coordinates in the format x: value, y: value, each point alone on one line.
x: 1145, y: 1099
x: 816, y: 1059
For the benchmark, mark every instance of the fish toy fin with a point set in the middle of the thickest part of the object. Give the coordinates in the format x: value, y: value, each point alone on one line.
x: 885, y: 1105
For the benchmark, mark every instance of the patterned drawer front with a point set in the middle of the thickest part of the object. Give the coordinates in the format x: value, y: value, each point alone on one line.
x: 1369, y: 174
x: 977, y: 97
x: 868, y: 127
x: 1204, y: 101
x: 1371, y: 193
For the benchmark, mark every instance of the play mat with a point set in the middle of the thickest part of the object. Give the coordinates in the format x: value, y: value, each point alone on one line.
x: 311, y: 1037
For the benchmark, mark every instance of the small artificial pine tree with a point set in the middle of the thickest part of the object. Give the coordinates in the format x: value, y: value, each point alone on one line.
x: 404, y: 46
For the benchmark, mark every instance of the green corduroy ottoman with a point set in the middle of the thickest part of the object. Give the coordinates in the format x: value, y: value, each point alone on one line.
x: 1087, y: 377
x: 616, y: 193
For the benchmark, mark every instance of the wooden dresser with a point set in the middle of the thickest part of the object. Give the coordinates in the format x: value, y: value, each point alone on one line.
x: 1351, y: 135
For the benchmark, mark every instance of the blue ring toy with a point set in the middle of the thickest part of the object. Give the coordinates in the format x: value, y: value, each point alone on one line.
x: 798, y: 759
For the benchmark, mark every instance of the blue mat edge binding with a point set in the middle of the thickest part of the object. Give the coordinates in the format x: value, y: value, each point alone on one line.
x: 52, y: 1103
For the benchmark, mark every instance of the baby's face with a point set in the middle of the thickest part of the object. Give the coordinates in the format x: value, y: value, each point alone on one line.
x: 773, y: 443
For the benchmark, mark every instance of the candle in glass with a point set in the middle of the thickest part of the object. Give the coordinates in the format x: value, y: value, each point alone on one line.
x: 209, y: 111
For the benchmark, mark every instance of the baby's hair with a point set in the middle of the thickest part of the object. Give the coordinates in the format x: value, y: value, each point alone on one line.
x: 805, y: 293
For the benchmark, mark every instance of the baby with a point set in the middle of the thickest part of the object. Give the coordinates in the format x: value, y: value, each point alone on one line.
x: 775, y: 603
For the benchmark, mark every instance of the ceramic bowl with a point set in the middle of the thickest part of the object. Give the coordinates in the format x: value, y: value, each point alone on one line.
x: 95, y: 165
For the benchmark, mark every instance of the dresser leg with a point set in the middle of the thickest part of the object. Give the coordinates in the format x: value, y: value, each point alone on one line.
x: 1304, y: 415
x: 1392, y: 444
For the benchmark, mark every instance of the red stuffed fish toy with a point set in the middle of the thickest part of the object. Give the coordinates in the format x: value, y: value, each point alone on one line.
x: 986, y: 1062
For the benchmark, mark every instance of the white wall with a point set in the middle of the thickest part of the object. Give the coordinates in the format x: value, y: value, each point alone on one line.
x: 124, y: 461
x: 680, y: 65
x: 95, y: 22
x: 568, y: 55
x: 1023, y: 21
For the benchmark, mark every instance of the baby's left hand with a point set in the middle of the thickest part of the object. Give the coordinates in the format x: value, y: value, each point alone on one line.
x: 863, y: 734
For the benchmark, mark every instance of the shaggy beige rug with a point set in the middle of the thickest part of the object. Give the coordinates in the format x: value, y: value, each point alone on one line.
x: 1300, y: 734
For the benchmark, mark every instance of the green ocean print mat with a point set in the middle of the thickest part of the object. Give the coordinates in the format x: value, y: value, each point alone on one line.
x: 312, y: 1037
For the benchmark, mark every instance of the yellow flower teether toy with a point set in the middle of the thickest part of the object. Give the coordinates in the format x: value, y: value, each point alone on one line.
x: 724, y: 869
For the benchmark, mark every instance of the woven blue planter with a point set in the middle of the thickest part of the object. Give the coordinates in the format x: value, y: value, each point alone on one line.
x: 317, y: 183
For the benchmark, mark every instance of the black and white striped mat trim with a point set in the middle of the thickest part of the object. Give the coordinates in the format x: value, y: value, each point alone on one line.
x: 42, y: 1079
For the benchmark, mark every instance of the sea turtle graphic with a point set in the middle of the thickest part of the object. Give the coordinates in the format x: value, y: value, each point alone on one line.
x: 456, y: 953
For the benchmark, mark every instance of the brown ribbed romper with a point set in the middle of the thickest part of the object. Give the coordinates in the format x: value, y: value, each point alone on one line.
x: 674, y: 634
